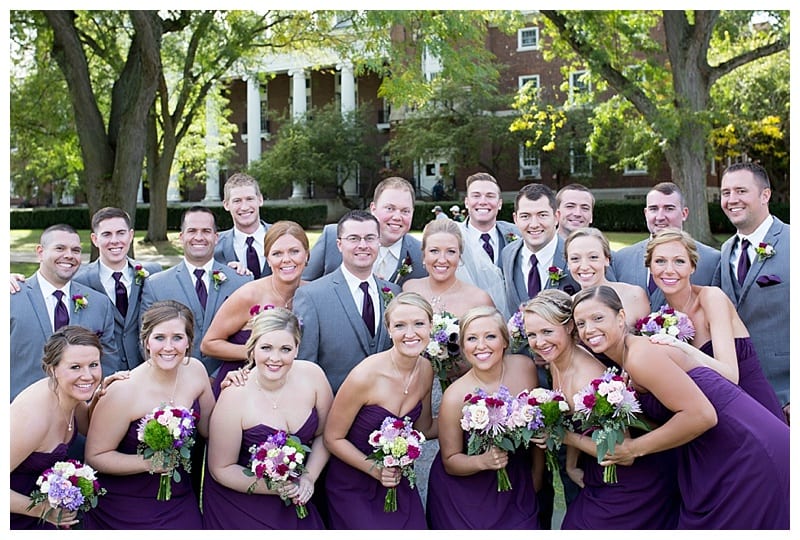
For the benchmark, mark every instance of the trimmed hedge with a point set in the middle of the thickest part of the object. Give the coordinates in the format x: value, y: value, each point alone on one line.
x: 611, y: 216
x: 307, y: 215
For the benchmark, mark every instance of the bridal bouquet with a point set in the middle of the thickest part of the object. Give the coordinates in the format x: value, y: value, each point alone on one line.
x: 68, y: 485
x: 396, y: 444
x: 277, y: 461
x: 166, y: 436
x: 552, y: 422
x: 606, y: 407
x: 443, y: 349
x: 666, y: 321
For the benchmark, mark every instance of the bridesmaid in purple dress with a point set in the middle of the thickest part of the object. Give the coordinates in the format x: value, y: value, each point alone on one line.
x: 394, y: 383
x: 280, y: 394
x: 462, y: 492
x: 672, y: 257
x: 733, y: 456
x: 646, y: 494
x: 286, y: 250
x: 46, y: 417
x: 169, y: 376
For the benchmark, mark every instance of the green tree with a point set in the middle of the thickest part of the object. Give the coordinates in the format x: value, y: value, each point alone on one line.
x: 671, y: 91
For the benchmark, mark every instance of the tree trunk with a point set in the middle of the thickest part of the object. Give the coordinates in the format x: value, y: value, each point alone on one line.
x: 159, y: 168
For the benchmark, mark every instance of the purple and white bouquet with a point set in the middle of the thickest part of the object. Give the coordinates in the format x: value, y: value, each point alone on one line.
x: 606, y: 408
x: 68, y: 486
x: 516, y: 329
x: 166, y: 437
x: 443, y: 350
x: 277, y: 461
x: 551, y: 420
x: 396, y: 444
x: 666, y: 321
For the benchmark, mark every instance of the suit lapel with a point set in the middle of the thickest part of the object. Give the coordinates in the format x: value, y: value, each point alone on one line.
x: 342, y: 292
x: 520, y: 286
x: 185, y: 281
x: 135, y: 297
x: 772, y: 238
x: 215, y: 295
x: 34, y: 292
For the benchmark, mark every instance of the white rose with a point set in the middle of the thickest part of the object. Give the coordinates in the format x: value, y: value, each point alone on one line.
x: 479, y: 415
x: 563, y: 406
x: 541, y: 395
x: 527, y: 413
x: 673, y: 330
x: 615, y: 397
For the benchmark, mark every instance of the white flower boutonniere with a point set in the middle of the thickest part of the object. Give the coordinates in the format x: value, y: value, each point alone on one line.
x: 81, y: 302
x: 140, y: 274
x: 218, y: 277
x: 764, y: 251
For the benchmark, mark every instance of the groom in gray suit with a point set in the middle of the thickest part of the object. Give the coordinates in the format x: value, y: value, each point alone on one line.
x: 51, y: 299
x: 342, y: 312
x: 119, y: 277
x: 664, y: 209
x: 754, y: 271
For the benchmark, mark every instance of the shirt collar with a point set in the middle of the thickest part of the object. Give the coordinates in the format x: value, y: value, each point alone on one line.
x: 544, y: 255
x: 354, y: 282
x: 758, y: 235
x: 48, y: 288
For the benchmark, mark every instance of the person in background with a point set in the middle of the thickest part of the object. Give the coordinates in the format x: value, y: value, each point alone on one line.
x: 455, y: 213
x: 439, y: 212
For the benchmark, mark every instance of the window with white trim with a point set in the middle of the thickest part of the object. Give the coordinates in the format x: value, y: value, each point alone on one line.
x: 634, y: 169
x: 533, y: 79
x: 530, y: 165
x: 578, y: 84
x: 528, y: 39
x: 580, y: 162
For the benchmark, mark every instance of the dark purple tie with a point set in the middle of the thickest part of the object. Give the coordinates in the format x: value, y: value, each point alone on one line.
x: 744, y: 262
x: 200, y: 287
x: 487, y: 246
x: 367, y: 309
x: 252, y: 258
x: 651, y: 285
x: 121, y: 292
x: 61, y: 317
x: 534, y: 283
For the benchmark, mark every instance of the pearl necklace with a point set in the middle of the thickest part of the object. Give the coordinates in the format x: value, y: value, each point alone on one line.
x: 397, y: 371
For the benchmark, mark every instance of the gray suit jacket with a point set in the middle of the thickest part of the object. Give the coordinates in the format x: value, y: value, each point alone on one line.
x: 176, y: 284
x: 225, y: 253
x: 516, y: 289
x: 628, y: 267
x: 126, y: 330
x: 334, y: 335
x: 763, y: 304
x: 31, y: 327
x: 505, y: 230
x: 325, y: 257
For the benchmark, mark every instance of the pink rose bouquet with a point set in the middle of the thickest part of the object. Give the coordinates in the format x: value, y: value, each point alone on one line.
x: 396, y: 444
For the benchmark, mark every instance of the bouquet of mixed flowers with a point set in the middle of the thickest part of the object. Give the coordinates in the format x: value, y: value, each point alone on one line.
x: 606, y: 407
x: 67, y: 485
x: 277, y: 461
x: 396, y: 444
x: 443, y: 349
x: 516, y: 328
x: 666, y: 321
x: 166, y: 435
x: 551, y: 420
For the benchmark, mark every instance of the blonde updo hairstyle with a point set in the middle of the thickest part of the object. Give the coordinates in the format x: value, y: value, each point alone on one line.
x: 554, y: 306
x: 272, y: 320
x: 407, y: 299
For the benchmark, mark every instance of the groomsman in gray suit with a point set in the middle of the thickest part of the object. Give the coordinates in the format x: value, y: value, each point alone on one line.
x: 50, y: 299
x: 243, y: 245
x: 342, y: 312
x: 484, y: 238
x: 199, y: 282
x: 664, y: 208
x: 399, y: 256
x: 754, y: 271
x: 119, y: 277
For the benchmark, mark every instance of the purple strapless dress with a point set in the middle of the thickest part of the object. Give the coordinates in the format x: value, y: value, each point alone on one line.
x: 355, y: 499
x: 751, y: 377
x: 646, y: 495
x: 24, y: 477
x: 239, y: 338
x: 473, y: 502
x: 130, y: 502
x: 224, y: 508
x: 736, y: 474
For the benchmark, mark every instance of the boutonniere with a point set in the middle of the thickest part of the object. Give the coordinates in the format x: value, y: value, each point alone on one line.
x: 764, y: 251
x: 405, y: 268
x: 81, y: 302
x: 555, y: 274
x: 218, y: 277
x: 386, y: 295
x: 256, y: 309
x: 511, y: 237
x: 140, y: 274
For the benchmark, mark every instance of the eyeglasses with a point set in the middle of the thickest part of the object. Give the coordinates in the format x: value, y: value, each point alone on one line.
x: 354, y: 239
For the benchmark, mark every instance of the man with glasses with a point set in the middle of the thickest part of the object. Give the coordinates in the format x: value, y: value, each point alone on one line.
x: 399, y: 256
x: 342, y: 312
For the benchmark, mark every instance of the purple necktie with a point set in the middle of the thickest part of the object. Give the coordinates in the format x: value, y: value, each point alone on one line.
x: 61, y: 317
x: 121, y: 292
x: 744, y: 262
x: 534, y: 283
x: 252, y: 258
x: 651, y: 285
x: 487, y: 246
x: 200, y: 287
x: 367, y: 309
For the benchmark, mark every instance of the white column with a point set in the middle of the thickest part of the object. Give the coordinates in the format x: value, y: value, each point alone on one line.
x: 140, y: 192
x: 348, y: 87
x: 299, y: 113
x: 253, y: 119
x: 173, y: 188
x: 212, y: 142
